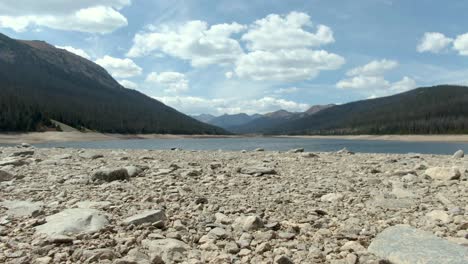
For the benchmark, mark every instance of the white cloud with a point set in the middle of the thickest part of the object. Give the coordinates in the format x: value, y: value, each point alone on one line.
x: 193, y: 41
x: 369, y: 79
x: 128, y: 84
x: 94, y: 16
x: 288, y: 90
x: 373, y: 68
x: 286, y: 65
x: 364, y: 83
x: 75, y: 51
x: 217, y: 106
x: 461, y: 44
x: 172, y: 82
x: 229, y: 75
x: 434, y: 42
x: 120, y: 68
x: 276, y: 32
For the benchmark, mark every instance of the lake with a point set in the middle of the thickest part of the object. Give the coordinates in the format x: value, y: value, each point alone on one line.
x: 273, y: 144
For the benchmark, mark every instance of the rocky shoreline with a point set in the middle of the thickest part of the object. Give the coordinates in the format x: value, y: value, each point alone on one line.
x: 138, y: 206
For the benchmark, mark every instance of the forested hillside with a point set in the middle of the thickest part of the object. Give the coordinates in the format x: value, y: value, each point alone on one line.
x: 433, y: 110
x: 39, y: 82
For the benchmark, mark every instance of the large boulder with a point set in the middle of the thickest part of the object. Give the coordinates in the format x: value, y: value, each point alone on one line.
x: 166, y: 250
x: 404, y: 245
x: 72, y: 221
x: 459, y: 154
x: 108, y: 175
x: 443, y: 173
x: 23, y: 208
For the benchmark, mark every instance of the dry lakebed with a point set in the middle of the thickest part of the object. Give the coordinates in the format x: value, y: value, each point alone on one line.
x: 141, y: 206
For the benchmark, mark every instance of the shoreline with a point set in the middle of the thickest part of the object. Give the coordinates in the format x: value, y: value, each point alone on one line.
x: 53, y: 137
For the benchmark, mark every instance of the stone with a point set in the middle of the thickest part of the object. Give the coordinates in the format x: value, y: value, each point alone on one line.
x: 91, y: 155
x: 258, y: 171
x: 298, y: 150
x: 283, y: 260
x: 232, y: 248
x: 43, y: 260
x: 23, y: 208
x: 402, y: 244
x: 332, y: 197
x: 93, y: 204
x: 248, y: 223
x: 151, y: 216
x: 6, y: 176
x: 259, y: 149
x: 223, y: 219
x: 73, y: 221
x: 353, y: 246
x: 443, y: 173
x: 12, y: 161
x: 168, y: 250
x: 459, y: 154
x: 108, y: 175
x: 439, y: 215
x: 133, y: 171
x: 23, y: 153
x: 60, y: 239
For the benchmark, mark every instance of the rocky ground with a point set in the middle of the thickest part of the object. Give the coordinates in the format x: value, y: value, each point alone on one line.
x: 137, y: 206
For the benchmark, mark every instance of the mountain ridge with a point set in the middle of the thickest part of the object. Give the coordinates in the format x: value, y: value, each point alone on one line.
x: 40, y: 82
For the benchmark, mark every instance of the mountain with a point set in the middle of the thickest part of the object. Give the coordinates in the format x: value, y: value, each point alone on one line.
x: 227, y: 121
x: 273, y: 119
x: 39, y: 83
x: 432, y: 110
x: 205, y: 118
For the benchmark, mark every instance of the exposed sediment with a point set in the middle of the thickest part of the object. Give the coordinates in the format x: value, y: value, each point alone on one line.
x: 137, y: 206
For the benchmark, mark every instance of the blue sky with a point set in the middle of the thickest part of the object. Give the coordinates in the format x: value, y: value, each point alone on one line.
x: 216, y: 56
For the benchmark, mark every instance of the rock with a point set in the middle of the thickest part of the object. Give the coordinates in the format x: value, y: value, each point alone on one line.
x: 247, y: 223
x: 459, y: 154
x: 23, y: 208
x: 43, y: 260
x: 108, y: 175
x: 345, y: 151
x: 151, y: 216
x: 309, y: 155
x: 332, y: 197
x: 133, y: 171
x: 259, y: 149
x: 167, y: 250
x: 439, y: 215
x: 258, y: 171
x: 223, y: 219
x: 353, y: 246
x: 443, y: 173
x: 23, y: 153
x: 93, y: 204
x: 298, y: 150
x: 91, y: 155
x: 60, y: 239
x: 403, y: 245
x: 231, y: 247
x: 6, y: 176
x: 283, y: 260
x: 73, y: 221
x: 12, y: 161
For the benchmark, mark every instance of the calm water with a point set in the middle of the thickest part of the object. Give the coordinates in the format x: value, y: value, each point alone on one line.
x: 279, y: 144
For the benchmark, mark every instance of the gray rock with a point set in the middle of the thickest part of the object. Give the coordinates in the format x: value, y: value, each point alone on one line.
x: 6, y: 176
x: 298, y: 150
x: 93, y: 204
x: 12, y: 161
x: 443, y: 173
x: 438, y: 215
x: 73, y: 221
x: 283, y: 260
x: 108, y: 175
x: 258, y: 171
x: 23, y: 208
x: 404, y: 245
x: 459, y: 154
x: 146, y: 217
x: 247, y: 223
x: 23, y: 153
x: 332, y: 197
x: 133, y: 171
x: 259, y: 150
x: 91, y: 155
x: 168, y: 250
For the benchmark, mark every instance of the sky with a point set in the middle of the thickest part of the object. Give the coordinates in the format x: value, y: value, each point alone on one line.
x: 256, y: 56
